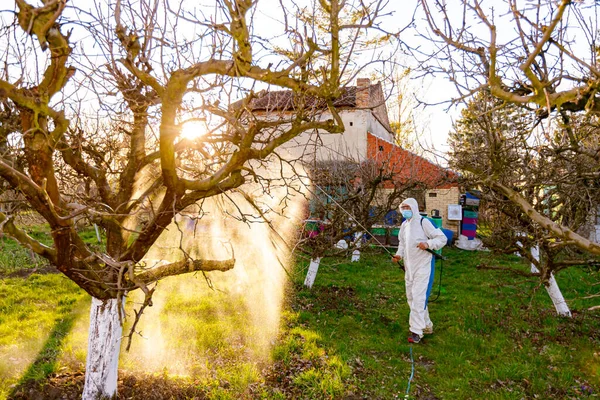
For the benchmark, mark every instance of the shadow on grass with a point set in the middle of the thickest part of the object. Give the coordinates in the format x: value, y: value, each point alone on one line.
x: 47, y: 359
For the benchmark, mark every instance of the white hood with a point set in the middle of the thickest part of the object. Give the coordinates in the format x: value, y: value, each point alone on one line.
x: 412, y: 203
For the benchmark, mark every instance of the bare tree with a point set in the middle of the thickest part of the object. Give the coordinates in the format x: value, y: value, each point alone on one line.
x: 495, y: 139
x: 347, y: 197
x: 541, y: 57
x: 94, y: 115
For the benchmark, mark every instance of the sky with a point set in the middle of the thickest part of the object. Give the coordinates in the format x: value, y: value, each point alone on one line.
x: 434, y: 116
x: 437, y: 118
x: 434, y: 121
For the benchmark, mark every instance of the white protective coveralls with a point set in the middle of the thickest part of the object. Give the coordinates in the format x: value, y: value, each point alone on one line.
x: 419, y: 264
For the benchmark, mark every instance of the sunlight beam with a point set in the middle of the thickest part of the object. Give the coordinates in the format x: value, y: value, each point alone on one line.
x: 194, y: 128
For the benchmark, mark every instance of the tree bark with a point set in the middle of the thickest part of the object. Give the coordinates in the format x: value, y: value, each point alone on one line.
x: 561, y: 306
x: 104, y: 346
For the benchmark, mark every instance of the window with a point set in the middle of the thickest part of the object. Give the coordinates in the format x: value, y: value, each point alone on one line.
x: 351, y: 123
x: 432, y: 194
x: 380, y: 148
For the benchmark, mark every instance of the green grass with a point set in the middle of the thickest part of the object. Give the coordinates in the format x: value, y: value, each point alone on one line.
x: 496, y: 335
x: 36, y: 313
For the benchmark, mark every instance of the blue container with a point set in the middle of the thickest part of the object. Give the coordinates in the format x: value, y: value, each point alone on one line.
x: 449, y: 234
x: 391, y: 217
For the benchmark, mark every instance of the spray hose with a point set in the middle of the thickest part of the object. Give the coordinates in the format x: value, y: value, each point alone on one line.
x: 440, y: 284
x: 412, y: 372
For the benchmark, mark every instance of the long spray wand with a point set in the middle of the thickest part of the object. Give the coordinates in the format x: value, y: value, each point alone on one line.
x: 357, y: 222
x: 436, y: 255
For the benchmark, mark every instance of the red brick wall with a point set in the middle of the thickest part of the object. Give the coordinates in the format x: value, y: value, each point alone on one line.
x: 407, y: 166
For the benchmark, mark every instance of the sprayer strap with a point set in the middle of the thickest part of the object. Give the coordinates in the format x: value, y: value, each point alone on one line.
x: 422, y: 218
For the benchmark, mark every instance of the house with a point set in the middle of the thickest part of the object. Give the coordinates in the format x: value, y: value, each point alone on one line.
x: 361, y: 108
x: 440, y: 184
x: 368, y: 136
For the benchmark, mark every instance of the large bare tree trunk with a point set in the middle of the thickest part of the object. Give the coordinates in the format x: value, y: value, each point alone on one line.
x: 104, y: 346
x: 561, y: 306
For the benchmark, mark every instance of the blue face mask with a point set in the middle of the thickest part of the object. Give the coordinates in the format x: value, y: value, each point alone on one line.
x: 407, y: 214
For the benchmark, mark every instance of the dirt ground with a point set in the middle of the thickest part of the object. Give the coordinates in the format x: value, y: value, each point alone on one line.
x: 69, y: 386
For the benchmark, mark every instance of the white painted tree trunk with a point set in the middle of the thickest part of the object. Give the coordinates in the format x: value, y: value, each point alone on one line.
x: 358, y: 236
x: 98, y: 233
x: 104, y: 346
x: 357, y: 242
x: 312, y: 272
x: 552, y: 288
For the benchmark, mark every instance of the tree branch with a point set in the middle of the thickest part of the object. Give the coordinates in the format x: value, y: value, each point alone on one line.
x: 183, y: 267
x: 34, y: 193
x: 559, y: 231
x: 7, y: 226
x: 547, y: 35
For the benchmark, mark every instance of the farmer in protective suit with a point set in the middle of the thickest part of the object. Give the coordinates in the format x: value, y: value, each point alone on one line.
x: 416, y: 235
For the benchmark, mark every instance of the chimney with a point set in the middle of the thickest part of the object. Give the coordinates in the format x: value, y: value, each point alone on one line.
x: 363, y: 92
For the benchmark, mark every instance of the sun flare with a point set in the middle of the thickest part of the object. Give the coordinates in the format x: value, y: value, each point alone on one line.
x: 193, y: 130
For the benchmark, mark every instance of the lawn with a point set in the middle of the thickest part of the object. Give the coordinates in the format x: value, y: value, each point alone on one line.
x: 496, y: 337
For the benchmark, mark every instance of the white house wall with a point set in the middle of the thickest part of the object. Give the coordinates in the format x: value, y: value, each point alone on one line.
x: 327, y: 146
